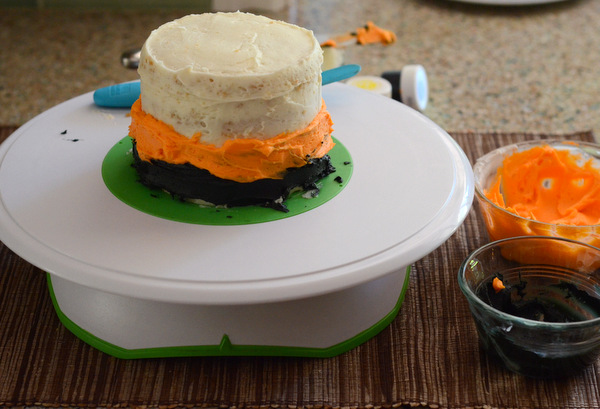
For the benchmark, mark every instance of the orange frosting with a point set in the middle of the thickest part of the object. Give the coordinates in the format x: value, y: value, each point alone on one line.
x: 548, y: 185
x: 498, y: 284
x: 242, y: 159
x: 369, y: 34
x: 373, y: 34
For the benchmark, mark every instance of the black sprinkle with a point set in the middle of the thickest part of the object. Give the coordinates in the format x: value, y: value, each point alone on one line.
x: 277, y: 206
x: 73, y: 140
x: 347, y: 162
x: 310, y: 187
x: 64, y: 132
x: 339, y: 179
x: 154, y: 195
x: 230, y: 217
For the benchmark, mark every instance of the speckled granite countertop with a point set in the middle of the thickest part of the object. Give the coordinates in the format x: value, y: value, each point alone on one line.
x: 528, y: 68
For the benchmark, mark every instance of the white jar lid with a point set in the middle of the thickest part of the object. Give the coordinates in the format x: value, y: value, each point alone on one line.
x: 414, y: 88
x: 372, y: 83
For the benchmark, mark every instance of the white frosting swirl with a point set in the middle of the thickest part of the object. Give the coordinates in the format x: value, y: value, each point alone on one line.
x: 228, y: 75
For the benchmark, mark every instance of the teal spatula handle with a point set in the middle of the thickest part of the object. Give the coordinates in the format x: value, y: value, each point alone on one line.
x: 125, y: 94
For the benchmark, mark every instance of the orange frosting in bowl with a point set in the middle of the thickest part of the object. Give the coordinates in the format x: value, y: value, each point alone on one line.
x: 545, y: 191
x: 548, y: 185
x: 241, y: 159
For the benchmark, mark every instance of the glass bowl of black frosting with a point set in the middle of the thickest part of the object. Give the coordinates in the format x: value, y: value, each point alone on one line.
x: 535, y: 301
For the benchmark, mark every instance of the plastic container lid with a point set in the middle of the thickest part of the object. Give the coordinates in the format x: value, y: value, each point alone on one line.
x: 414, y: 87
x: 371, y: 83
x: 409, y: 86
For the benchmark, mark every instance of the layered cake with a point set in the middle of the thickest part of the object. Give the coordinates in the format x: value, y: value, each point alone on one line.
x: 230, y: 112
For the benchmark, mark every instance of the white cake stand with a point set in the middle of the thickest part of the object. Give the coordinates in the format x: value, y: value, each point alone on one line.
x: 315, y: 284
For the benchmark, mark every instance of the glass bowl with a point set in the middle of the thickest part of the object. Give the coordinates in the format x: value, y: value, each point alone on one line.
x: 545, y: 322
x: 502, y: 223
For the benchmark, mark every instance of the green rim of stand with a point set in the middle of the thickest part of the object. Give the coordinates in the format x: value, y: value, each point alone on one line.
x: 225, y: 347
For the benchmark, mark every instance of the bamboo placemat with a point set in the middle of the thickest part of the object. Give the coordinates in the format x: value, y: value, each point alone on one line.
x: 428, y: 356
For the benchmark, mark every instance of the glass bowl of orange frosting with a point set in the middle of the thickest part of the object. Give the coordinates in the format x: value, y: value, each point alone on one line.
x: 541, y: 188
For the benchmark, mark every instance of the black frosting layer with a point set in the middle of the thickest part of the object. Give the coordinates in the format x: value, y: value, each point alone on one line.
x: 186, y: 181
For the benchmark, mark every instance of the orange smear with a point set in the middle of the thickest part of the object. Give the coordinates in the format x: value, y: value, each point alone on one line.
x: 548, y: 185
x: 242, y: 160
x: 498, y: 285
x: 373, y: 34
x: 370, y: 34
x: 329, y: 43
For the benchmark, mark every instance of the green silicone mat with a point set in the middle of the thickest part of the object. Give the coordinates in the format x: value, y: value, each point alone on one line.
x: 122, y: 180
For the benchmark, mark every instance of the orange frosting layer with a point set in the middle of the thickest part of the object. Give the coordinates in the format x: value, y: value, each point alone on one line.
x: 243, y: 159
x: 548, y: 185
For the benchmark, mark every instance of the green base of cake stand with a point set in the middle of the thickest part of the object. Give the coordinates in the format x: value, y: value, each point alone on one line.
x: 114, y: 324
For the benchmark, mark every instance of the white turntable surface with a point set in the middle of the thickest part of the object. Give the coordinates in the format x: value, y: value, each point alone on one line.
x: 410, y: 189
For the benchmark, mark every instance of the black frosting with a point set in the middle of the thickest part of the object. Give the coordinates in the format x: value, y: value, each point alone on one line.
x: 516, y: 301
x: 517, y: 346
x: 186, y: 181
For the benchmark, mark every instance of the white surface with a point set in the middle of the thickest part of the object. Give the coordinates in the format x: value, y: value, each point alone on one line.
x: 314, y: 322
x: 411, y: 189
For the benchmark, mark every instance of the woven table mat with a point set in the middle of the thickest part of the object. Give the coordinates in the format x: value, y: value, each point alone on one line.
x: 428, y: 356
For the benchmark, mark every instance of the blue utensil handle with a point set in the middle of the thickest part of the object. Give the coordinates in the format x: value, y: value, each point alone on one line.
x: 118, y: 96
x: 339, y: 73
x: 125, y: 94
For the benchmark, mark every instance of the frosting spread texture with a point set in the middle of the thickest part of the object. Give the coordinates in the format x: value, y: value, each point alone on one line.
x: 221, y: 76
x: 548, y: 185
x: 241, y: 160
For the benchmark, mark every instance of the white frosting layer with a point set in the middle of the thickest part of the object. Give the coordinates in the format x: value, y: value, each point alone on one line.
x: 228, y: 75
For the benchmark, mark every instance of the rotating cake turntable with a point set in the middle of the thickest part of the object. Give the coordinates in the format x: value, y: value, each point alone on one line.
x: 135, y: 283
